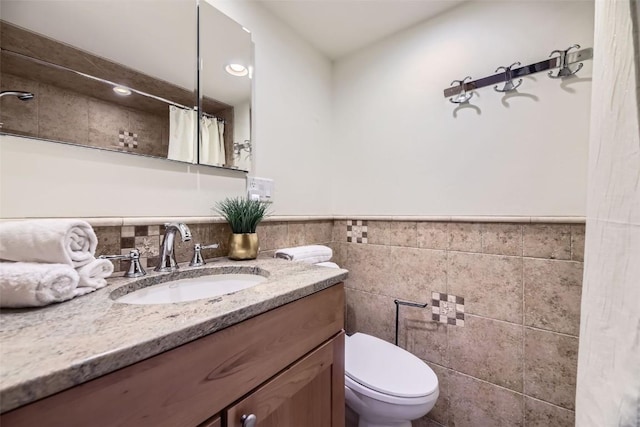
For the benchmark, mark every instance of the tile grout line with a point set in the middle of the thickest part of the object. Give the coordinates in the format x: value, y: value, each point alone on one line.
x: 523, y: 394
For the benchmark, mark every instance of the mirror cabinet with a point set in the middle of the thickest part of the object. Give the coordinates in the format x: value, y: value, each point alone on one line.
x: 129, y: 76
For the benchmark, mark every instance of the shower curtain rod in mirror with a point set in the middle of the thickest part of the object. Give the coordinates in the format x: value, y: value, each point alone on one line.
x: 108, y: 82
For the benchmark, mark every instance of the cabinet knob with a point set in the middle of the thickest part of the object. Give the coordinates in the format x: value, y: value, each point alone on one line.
x: 249, y: 420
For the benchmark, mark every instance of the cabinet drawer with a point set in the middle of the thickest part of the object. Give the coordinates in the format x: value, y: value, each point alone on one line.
x: 187, y: 385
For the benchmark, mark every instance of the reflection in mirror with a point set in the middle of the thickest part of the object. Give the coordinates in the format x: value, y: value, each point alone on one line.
x: 100, y: 73
x: 226, y: 54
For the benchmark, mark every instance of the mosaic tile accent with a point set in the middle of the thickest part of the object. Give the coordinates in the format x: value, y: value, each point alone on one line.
x: 127, y: 140
x: 144, y: 238
x: 448, y: 309
x: 356, y: 231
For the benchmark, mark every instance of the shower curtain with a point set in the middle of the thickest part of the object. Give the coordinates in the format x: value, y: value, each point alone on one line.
x: 608, y: 387
x: 212, y: 141
x: 182, y: 134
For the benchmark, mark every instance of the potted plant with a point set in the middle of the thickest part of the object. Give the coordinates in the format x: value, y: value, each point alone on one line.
x: 243, y: 216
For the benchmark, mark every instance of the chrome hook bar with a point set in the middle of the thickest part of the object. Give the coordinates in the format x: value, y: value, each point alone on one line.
x: 508, y: 77
x: 463, y: 96
x: 565, y: 71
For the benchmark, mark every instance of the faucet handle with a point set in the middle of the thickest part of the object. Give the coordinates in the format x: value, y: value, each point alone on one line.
x: 135, y: 268
x: 197, y: 259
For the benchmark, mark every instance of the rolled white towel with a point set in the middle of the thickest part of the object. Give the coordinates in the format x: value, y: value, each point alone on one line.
x: 25, y: 284
x: 58, y: 241
x: 93, y: 275
x: 310, y: 254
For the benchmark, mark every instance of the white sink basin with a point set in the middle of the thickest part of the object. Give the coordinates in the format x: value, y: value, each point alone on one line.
x: 192, y: 289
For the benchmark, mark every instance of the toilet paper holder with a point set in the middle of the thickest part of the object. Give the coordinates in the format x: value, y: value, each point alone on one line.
x: 398, y: 303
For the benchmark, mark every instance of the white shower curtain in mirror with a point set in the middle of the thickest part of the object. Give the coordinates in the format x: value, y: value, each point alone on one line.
x: 182, y: 134
x: 212, y: 142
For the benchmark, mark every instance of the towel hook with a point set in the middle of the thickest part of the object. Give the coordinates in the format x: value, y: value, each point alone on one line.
x: 508, y: 79
x: 463, y: 96
x: 565, y: 71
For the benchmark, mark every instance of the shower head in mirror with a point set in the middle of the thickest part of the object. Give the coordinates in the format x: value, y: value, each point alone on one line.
x: 22, y: 96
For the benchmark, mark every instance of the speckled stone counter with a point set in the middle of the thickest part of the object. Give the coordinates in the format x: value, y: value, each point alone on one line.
x: 47, y: 350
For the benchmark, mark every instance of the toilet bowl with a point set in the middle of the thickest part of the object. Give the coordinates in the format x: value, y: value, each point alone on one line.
x: 386, y: 385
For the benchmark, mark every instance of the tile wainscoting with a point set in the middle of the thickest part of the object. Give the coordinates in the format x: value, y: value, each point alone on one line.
x: 517, y: 287
x: 512, y: 362
x: 120, y: 239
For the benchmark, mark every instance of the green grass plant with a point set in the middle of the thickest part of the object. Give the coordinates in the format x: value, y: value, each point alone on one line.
x: 242, y: 214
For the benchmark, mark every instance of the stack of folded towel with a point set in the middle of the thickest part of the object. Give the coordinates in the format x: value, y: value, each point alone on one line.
x: 47, y: 261
x: 311, y: 254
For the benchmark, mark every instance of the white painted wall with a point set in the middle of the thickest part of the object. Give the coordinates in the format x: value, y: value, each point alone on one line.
x: 399, y: 149
x: 608, y: 387
x: 291, y: 134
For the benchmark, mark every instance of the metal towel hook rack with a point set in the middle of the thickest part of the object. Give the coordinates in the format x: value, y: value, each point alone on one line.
x: 565, y: 71
x: 508, y: 77
x: 457, y: 93
x: 463, y: 96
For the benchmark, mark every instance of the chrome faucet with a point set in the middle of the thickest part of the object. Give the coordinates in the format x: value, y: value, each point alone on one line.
x: 167, y: 257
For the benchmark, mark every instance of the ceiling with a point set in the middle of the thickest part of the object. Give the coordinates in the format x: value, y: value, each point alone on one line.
x: 340, y: 27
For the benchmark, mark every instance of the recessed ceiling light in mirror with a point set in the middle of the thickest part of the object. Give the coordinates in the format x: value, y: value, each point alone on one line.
x: 236, y: 70
x: 121, y: 90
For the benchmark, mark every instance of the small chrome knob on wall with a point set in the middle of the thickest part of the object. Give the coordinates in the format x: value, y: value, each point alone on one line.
x: 197, y: 259
x: 135, y: 269
x: 249, y: 420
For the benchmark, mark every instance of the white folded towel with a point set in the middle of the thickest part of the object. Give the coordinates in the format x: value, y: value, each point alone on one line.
x: 310, y: 254
x: 93, y: 275
x: 58, y: 241
x: 328, y: 264
x: 25, y: 284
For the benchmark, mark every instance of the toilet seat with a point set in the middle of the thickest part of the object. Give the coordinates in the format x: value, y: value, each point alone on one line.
x: 387, y: 373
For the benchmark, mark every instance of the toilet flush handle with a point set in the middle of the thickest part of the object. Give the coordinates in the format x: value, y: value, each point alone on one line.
x: 249, y: 420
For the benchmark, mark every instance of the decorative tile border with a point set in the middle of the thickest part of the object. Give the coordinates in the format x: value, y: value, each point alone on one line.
x: 356, y: 231
x: 447, y: 309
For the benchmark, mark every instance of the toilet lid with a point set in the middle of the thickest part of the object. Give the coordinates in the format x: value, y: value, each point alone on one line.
x: 387, y: 369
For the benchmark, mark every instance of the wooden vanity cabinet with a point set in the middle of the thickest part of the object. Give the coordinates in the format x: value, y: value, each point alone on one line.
x: 285, y: 366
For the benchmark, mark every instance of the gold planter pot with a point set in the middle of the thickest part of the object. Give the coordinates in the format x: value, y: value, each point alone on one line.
x: 243, y: 246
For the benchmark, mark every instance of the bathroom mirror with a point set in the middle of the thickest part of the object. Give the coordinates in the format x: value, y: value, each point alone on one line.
x: 225, y: 88
x: 108, y: 75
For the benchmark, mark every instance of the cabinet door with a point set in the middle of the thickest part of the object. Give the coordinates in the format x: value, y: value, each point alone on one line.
x: 309, y: 393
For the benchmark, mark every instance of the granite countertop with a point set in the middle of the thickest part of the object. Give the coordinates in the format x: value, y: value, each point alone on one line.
x: 49, y: 349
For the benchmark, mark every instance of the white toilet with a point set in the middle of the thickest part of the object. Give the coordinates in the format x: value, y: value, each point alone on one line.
x: 386, y: 385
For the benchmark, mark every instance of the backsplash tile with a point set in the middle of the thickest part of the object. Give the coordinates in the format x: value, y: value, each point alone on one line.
x: 356, y: 231
x: 403, y: 233
x: 547, y: 241
x: 465, y: 237
x: 475, y: 403
x: 502, y: 239
x: 552, y: 293
x: 433, y: 235
x: 551, y: 364
x: 491, y: 283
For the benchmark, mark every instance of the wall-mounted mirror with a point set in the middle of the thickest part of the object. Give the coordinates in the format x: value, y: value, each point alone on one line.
x: 225, y: 88
x: 104, y: 74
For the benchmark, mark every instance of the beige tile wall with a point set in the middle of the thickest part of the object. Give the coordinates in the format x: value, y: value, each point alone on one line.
x: 513, y: 363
